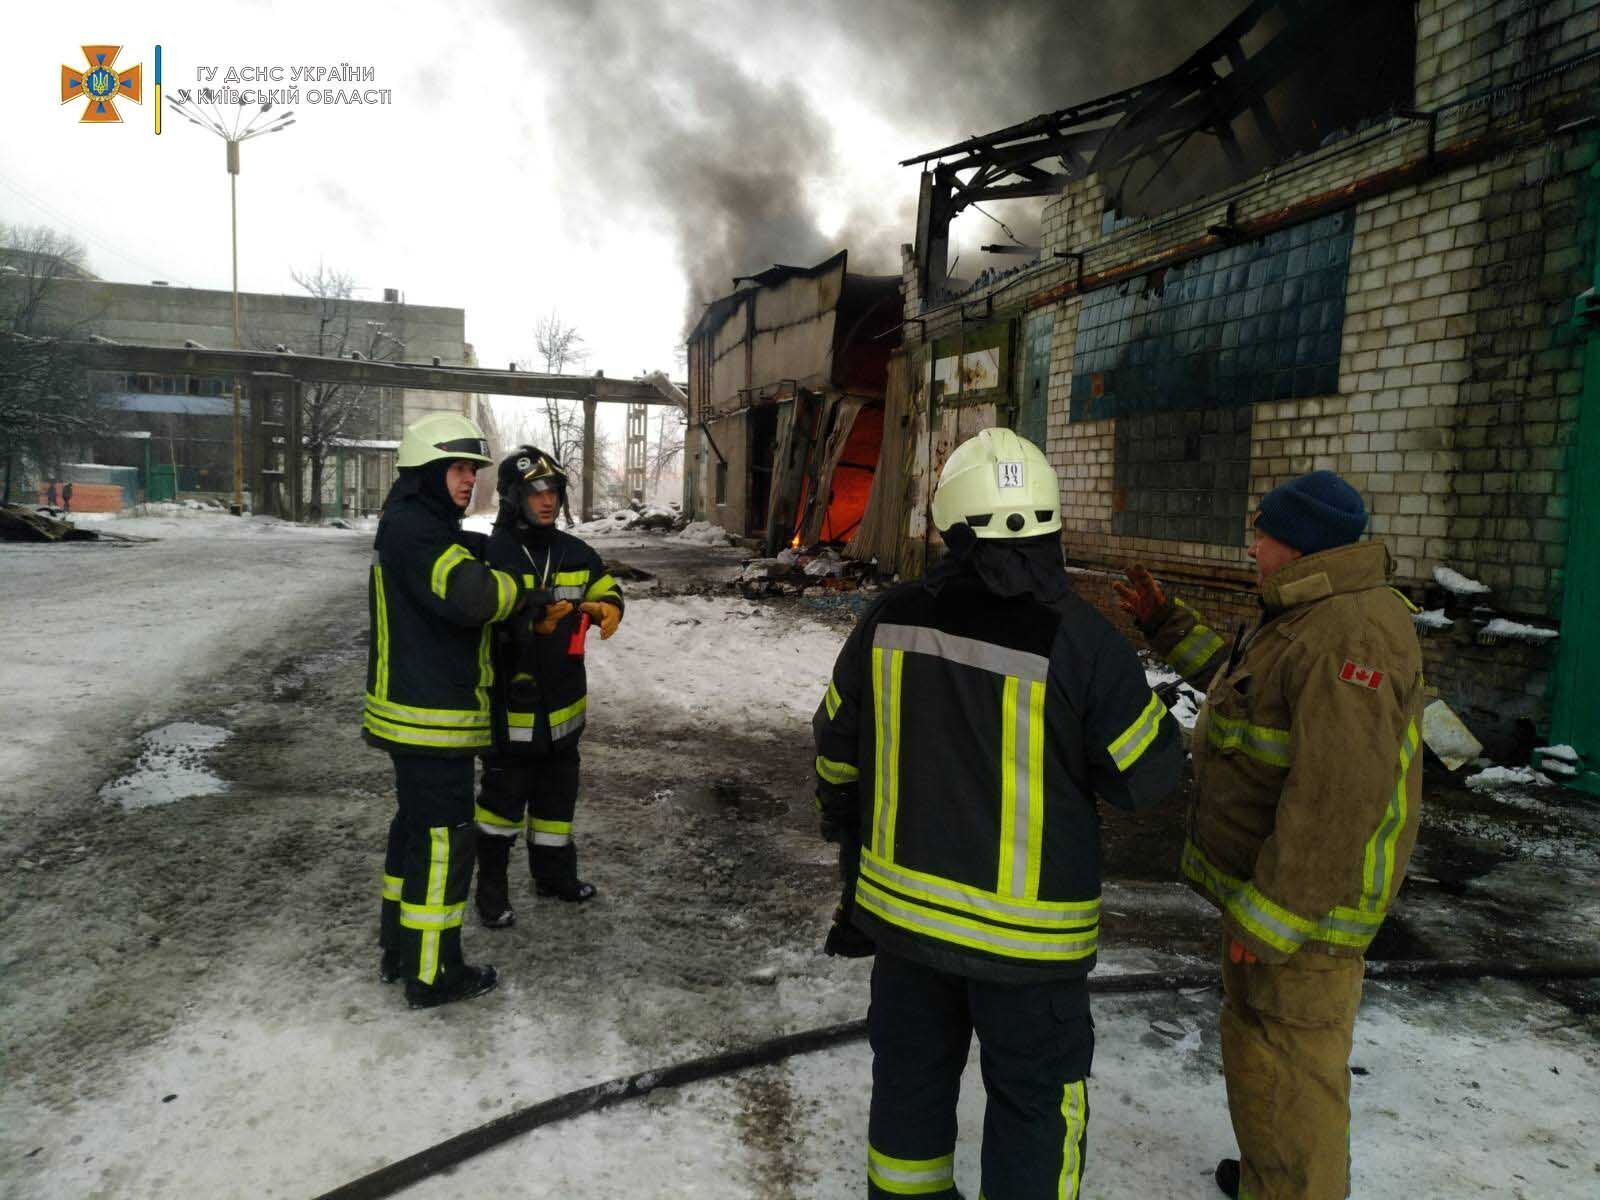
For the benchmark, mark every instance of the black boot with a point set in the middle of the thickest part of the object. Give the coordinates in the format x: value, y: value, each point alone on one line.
x: 494, y: 892
x: 555, y: 873
x: 461, y: 984
x: 390, y: 967
x: 1228, y: 1177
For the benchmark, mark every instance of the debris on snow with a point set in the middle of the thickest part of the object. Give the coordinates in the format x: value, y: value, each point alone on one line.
x: 1446, y: 735
x: 17, y: 524
x: 1496, y: 779
x: 825, y: 564
x: 171, y: 767
x: 1457, y: 583
x: 795, y: 571
x: 1182, y: 700
x: 1502, y: 630
x: 1432, y: 618
x: 704, y: 533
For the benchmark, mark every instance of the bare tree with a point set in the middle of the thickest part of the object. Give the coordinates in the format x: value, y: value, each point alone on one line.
x: 668, y: 450
x: 46, y: 404
x: 331, y: 412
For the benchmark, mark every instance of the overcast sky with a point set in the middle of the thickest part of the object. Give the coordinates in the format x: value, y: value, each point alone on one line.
x: 617, y: 161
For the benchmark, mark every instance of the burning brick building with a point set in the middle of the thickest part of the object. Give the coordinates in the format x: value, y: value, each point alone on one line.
x: 786, y: 383
x: 1352, y: 236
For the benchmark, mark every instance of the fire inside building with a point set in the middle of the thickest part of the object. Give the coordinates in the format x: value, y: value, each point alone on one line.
x: 1355, y: 237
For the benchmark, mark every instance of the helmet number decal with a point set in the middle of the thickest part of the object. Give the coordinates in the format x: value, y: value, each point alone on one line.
x: 1009, y: 474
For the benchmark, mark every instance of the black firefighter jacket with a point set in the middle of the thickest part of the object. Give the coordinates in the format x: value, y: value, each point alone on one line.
x: 432, y: 604
x: 541, y: 691
x: 972, y: 732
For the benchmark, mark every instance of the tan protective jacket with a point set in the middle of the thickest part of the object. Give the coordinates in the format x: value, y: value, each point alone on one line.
x: 1308, y: 784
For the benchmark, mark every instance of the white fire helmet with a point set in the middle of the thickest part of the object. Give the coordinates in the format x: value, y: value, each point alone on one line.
x: 442, y: 435
x: 999, y: 484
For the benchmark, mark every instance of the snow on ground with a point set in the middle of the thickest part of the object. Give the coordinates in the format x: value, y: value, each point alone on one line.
x: 99, y: 639
x: 704, y: 533
x: 172, y: 767
x: 284, y: 1069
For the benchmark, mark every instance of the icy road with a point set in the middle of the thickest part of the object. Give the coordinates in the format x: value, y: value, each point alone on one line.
x: 191, y: 833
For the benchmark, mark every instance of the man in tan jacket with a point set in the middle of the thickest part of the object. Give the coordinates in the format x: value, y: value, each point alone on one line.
x: 1308, y: 792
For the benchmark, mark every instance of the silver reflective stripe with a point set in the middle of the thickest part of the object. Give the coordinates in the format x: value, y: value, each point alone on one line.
x: 882, y: 698
x: 569, y: 593
x: 910, y: 1176
x: 570, y: 725
x: 1020, y: 827
x: 497, y: 830
x: 419, y: 917
x: 518, y: 733
x: 969, y: 652
x: 1084, y: 912
x: 551, y: 839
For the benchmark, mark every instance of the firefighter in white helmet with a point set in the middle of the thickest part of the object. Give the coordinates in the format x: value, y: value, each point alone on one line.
x: 432, y: 603
x: 972, y: 720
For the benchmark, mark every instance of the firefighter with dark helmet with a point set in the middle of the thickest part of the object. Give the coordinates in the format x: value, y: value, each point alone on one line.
x: 530, y: 779
x: 433, y: 604
x: 973, y: 718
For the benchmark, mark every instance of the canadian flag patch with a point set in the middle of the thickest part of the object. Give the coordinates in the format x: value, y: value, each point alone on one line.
x: 1354, y: 672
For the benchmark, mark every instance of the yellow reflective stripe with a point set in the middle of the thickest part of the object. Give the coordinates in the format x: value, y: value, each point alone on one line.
x: 566, y: 714
x: 910, y: 1176
x: 886, y: 671
x: 431, y: 918
x: 451, y: 558
x: 507, y: 584
x: 1260, y: 742
x: 431, y: 911
x: 832, y: 700
x: 487, y: 816
x: 571, y: 578
x: 990, y: 906
x: 836, y: 772
x: 1062, y: 945
x: 521, y: 720
x: 380, y: 679
x: 485, y: 667
x: 1006, y: 871
x: 1030, y: 885
x: 391, y: 887
x: 1272, y: 923
x: 542, y: 826
x: 1410, y: 607
x: 1075, y: 1112
x: 1378, y: 861
x: 410, y: 735
x: 464, y: 718
x: 602, y: 587
x: 1133, y: 741
x: 1191, y: 654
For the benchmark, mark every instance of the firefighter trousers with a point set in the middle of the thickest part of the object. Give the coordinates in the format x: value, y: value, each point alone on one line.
x: 427, y: 870
x: 537, y: 796
x: 1036, y: 1043
x: 1286, y: 1037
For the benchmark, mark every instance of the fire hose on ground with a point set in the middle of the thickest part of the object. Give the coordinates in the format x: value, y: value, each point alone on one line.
x: 388, y: 1180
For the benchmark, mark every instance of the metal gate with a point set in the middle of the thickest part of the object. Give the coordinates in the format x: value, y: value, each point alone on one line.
x: 1576, y: 719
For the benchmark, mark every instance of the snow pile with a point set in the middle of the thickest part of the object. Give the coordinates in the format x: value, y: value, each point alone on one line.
x: 1497, y: 779
x: 1433, y: 618
x: 1457, y: 583
x: 618, y: 522
x: 1500, y: 629
x: 171, y: 767
x: 704, y: 533
x: 1560, y: 760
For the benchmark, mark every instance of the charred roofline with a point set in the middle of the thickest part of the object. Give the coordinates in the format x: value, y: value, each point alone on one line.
x: 1152, y: 120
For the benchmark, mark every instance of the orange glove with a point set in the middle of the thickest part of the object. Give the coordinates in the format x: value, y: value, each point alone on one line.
x: 609, y: 616
x: 1237, y: 952
x: 1144, y: 599
x: 552, y: 617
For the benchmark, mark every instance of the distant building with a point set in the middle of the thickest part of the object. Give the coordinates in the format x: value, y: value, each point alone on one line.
x: 177, y: 430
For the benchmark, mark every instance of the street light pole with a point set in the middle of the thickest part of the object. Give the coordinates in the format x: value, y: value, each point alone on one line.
x: 234, y: 136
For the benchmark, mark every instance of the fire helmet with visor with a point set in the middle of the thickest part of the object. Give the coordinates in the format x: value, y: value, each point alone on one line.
x: 442, y: 435
x: 1001, y: 486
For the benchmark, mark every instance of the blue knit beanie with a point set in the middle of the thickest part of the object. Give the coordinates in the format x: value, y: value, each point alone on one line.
x: 1315, y: 512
